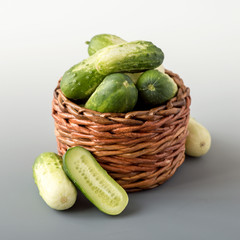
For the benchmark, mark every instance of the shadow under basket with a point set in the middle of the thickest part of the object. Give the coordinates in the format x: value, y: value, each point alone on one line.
x: 139, y: 149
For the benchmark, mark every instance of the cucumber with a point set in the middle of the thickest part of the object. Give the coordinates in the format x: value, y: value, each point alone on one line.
x: 155, y: 87
x: 95, y: 183
x: 198, y: 141
x: 102, y: 40
x: 134, y: 56
x: 80, y: 81
x: 116, y: 93
x: 53, y: 184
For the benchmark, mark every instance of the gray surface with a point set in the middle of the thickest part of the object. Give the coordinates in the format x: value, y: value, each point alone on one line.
x: 39, y: 42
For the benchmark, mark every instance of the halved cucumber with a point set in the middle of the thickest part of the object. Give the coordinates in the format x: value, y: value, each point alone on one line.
x: 95, y: 183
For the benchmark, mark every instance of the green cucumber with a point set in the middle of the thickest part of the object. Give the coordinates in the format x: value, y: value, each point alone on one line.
x: 80, y: 81
x: 95, y: 183
x: 134, y: 56
x: 155, y: 87
x: 116, y: 93
x: 102, y: 40
x: 53, y: 184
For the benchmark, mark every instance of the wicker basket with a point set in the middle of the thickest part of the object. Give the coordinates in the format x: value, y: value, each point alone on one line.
x: 139, y: 149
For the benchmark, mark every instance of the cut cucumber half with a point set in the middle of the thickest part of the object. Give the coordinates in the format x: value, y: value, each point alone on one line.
x: 94, y: 182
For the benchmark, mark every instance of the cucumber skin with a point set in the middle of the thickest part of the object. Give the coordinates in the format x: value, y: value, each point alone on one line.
x: 80, y: 81
x: 198, y: 141
x: 116, y: 93
x: 103, y: 40
x: 48, y: 166
x: 165, y: 87
x: 134, y: 56
x: 103, y: 172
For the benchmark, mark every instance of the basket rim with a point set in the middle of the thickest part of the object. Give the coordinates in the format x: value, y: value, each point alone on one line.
x: 177, y: 101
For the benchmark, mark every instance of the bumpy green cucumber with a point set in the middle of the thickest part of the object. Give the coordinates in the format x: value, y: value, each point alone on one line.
x: 80, y: 81
x: 116, y: 93
x: 102, y: 40
x: 54, y: 186
x: 95, y: 183
x: 156, y: 87
x: 134, y: 56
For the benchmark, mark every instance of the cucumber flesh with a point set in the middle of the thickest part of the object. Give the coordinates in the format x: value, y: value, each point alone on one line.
x: 95, y: 183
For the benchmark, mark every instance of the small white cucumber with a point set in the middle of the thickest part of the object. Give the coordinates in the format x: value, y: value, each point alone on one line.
x: 198, y: 141
x: 53, y: 184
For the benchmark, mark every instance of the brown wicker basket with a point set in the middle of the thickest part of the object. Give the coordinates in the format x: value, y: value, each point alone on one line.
x: 139, y: 149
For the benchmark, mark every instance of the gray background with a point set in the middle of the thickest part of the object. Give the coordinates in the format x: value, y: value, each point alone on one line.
x: 40, y: 40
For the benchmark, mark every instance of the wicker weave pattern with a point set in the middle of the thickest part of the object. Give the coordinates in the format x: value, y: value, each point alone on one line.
x: 140, y: 149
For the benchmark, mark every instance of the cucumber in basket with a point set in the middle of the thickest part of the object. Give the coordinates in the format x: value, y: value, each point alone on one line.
x: 136, y: 76
x: 116, y: 93
x: 95, y: 183
x: 134, y: 56
x: 103, y: 40
x: 155, y: 87
x: 54, y: 186
x: 80, y: 81
x: 100, y: 41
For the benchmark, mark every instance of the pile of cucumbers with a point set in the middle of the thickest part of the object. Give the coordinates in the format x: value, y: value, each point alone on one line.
x: 117, y: 75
